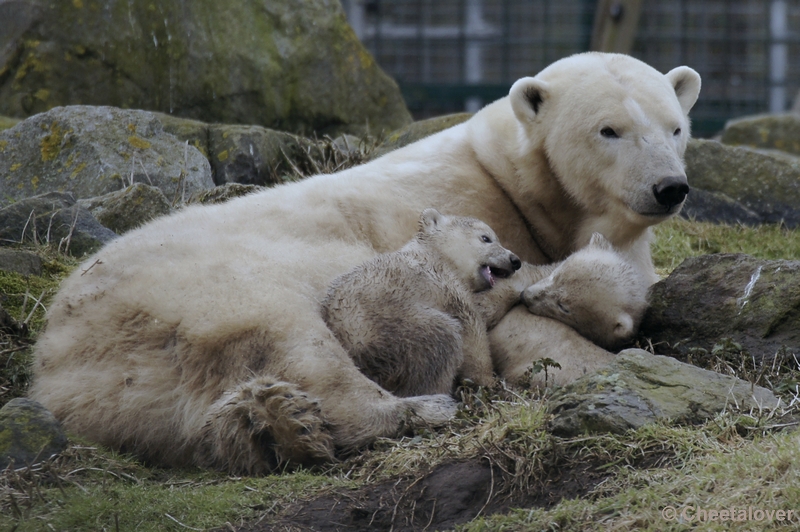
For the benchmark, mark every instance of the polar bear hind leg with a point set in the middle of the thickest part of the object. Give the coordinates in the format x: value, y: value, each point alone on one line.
x: 261, y: 425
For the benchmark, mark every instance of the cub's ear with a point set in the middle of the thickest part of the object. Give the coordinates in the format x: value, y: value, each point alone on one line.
x: 527, y: 96
x: 600, y: 242
x: 624, y: 327
x: 686, y: 83
x: 431, y: 220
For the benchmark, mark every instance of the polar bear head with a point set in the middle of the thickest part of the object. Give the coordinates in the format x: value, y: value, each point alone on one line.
x: 613, y: 131
x: 469, y: 246
x: 596, y: 291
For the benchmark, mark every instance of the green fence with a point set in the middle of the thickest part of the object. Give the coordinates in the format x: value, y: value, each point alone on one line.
x: 456, y: 55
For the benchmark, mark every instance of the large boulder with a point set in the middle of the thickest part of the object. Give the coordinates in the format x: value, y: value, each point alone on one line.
x: 90, y: 151
x: 278, y: 63
x: 639, y: 388
x: 766, y: 184
x: 771, y: 132
x: 714, y: 300
x: 716, y: 207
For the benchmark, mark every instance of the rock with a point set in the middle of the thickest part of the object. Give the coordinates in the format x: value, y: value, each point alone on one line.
x: 21, y: 262
x: 91, y: 151
x: 418, y: 130
x: 53, y: 218
x: 772, y: 131
x: 29, y: 433
x: 765, y: 184
x: 712, y: 299
x: 265, y: 63
x: 347, y: 144
x: 194, y: 132
x: 253, y: 155
x: 716, y: 207
x: 128, y: 208
x: 638, y: 388
x: 223, y: 193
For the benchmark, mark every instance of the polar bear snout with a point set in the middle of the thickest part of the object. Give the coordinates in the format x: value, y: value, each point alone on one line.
x: 671, y: 191
x: 502, y: 269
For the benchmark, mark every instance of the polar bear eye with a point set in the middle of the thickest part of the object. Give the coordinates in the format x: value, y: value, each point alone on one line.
x: 609, y: 133
x: 562, y: 308
x: 486, y: 239
x: 677, y: 132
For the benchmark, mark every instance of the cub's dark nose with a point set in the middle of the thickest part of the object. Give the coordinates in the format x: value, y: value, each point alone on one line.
x: 515, y: 262
x: 671, y: 191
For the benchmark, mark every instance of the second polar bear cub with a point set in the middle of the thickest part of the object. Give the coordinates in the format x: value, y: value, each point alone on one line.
x: 410, y: 319
x: 596, y: 291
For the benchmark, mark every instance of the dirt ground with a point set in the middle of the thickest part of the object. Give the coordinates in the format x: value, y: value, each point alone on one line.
x: 449, y: 495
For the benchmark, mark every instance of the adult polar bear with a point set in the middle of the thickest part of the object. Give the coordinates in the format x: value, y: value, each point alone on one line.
x: 197, y: 339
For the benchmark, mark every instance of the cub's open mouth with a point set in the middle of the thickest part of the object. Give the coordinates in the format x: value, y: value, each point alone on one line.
x: 491, y: 274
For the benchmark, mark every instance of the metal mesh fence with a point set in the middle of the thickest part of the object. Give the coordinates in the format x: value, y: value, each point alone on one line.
x: 455, y: 55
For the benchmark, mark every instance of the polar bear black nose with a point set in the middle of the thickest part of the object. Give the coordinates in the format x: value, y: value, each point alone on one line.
x: 671, y: 191
x: 515, y: 262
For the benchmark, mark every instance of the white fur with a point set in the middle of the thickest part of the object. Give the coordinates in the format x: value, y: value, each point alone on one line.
x: 596, y: 291
x: 215, y: 303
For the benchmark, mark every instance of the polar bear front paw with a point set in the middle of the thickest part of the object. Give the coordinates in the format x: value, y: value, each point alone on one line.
x: 263, y: 424
x: 429, y: 410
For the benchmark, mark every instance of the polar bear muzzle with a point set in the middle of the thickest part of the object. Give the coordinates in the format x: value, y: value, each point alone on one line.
x: 671, y: 191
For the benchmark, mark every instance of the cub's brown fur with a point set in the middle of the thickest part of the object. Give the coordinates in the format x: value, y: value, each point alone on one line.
x: 411, y: 320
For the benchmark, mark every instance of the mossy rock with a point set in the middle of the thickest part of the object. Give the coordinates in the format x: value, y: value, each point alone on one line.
x: 55, y: 219
x: 749, y: 301
x: 639, y: 388
x: 20, y: 261
x: 772, y: 131
x: 127, y: 209
x: 265, y: 63
x: 254, y: 155
x: 90, y: 151
x: 417, y: 131
x: 29, y: 433
x: 766, y: 184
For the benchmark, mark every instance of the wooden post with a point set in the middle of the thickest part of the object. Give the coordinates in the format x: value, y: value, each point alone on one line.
x: 615, y: 23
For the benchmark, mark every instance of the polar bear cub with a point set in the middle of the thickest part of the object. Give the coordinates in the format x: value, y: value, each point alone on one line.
x: 409, y: 319
x: 596, y: 291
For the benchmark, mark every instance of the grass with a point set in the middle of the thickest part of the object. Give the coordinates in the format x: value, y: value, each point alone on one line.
x: 722, y: 471
x: 23, y: 301
x: 678, y: 239
x: 737, y: 459
x: 89, y: 488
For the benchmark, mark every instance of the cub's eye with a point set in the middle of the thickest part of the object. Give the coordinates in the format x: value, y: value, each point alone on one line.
x: 486, y: 239
x: 609, y: 133
x: 677, y: 132
x: 562, y: 308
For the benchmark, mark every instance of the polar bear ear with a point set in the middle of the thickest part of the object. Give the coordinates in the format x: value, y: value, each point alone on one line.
x: 431, y: 220
x: 624, y: 327
x: 601, y: 242
x: 527, y: 96
x: 686, y: 83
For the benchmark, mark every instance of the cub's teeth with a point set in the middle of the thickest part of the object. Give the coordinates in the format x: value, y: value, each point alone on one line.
x: 486, y: 272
